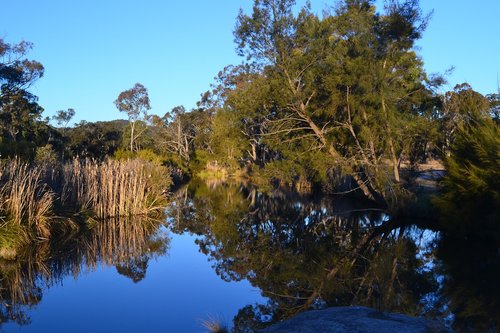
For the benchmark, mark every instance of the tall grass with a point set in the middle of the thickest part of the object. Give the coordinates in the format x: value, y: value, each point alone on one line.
x: 114, y: 188
x: 24, y: 198
x: 29, y: 194
x: 214, y: 325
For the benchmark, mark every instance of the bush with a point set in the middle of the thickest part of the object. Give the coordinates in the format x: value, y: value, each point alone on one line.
x: 470, y: 201
x: 46, y: 156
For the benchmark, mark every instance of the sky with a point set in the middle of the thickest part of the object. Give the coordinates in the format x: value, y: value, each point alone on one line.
x: 94, y: 49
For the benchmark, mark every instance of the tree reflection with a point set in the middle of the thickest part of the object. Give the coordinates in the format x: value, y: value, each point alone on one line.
x: 310, y: 252
x: 471, y: 270
x: 305, y: 252
x: 127, y: 244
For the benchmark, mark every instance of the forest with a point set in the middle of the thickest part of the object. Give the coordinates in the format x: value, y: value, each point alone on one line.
x: 335, y: 104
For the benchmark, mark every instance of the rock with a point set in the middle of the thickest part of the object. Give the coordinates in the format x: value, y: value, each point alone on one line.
x: 355, y: 319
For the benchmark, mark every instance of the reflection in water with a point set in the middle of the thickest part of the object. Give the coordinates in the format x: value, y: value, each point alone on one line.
x: 301, y: 252
x: 306, y: 252
x: 127, y: 244
x: 471, y: 267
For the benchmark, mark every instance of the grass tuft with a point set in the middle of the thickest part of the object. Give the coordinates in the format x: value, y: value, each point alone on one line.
x: 214, y: 325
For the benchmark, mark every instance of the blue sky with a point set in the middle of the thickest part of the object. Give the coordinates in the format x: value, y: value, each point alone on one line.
x: 94, y: 49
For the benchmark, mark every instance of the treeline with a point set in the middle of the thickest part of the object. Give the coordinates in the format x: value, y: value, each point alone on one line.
x: 339, y: 102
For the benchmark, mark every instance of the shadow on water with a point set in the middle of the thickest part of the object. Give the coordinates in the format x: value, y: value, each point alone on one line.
x: 127, y: 244
x: 306, y: 252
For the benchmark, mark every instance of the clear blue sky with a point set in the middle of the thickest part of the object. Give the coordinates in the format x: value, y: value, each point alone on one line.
x: 94, y: 49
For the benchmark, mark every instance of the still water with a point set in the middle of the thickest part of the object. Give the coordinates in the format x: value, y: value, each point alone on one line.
x: 246, y: 259
x: 170, y: 291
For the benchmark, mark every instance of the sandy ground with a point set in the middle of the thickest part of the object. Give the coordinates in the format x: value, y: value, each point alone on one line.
x: 428, y: 174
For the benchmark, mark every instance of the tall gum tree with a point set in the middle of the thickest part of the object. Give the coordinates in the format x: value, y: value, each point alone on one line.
x: 135, y: 103
x: 20, y: 113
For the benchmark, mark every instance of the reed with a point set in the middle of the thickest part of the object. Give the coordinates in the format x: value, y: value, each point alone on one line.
x: 214, y: 325
x: 25, y: 199
x: 115, y: 188
x: 29, y: 193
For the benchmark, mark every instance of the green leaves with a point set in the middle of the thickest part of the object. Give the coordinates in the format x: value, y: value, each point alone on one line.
x: 471, y: 197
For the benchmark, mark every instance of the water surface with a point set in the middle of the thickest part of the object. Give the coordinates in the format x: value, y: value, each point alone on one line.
x: 159, y: 283
x: 248, y: 259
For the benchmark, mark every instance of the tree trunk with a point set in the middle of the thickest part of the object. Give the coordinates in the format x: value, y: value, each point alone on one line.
x: 390, y: 142
x: 132, y: 128
x: 301, y: 110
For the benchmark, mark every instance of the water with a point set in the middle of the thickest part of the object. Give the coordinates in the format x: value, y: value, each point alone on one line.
x: 178, y: 291
x: 246, y: 259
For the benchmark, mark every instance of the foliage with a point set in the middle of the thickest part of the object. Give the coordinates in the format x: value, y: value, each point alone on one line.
x: 62, y: 117
x: 46, y: 156
x: 20, y: 114
x: 461, y: 106
x: 470, y: 201
x: 174, y: 136
x: 135, y: 103
x: 146, y: 155
x: 340, y: 93
x: 227, y: 142
x: 95, y: 140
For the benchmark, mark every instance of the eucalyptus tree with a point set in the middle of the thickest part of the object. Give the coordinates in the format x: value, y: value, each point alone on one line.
x: 174, y: 134
x: 62, y: 117
x: 243, y: 111
x: 135, y: 103
x: 20, y: 112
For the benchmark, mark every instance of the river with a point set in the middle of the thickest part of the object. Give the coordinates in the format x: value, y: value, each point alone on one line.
x: 231, y: 254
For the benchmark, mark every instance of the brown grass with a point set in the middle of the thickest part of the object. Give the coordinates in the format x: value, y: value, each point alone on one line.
x: 114, y: 188
x: 214, y: 325
x: 28, y: 193
x: 24, y: 198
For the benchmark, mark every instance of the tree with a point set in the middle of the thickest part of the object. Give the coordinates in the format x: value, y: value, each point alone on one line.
x: 494, y: 100
x: 461, y: 106
x: 134, y: 102
x: 15, y: 70
x: 245, y: 95
x: 20, y: 113
x: 62, y: 117
x: 178, y: 135
x: 470, y: 200
x: 345, y: 86
x: 469, y: 203
x: 95, y: 140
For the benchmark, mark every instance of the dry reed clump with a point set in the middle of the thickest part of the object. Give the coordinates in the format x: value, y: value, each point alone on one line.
x: 110, y: 189
x: 115, y: 188
x: 25, y: 199
x: 214, y: 325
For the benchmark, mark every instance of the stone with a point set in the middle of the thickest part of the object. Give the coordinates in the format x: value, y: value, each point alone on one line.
x: 355, y: 319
